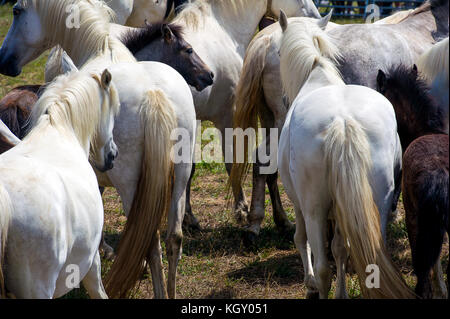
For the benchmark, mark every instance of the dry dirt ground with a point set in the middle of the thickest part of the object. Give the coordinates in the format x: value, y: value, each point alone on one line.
x: 216, y: 264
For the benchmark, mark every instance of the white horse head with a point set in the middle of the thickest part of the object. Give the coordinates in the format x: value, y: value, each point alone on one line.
x: 40, y: 25
x: 84, y: 104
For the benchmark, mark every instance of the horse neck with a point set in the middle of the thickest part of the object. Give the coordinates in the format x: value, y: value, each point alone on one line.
x: 242, y: 23
x: 320, y: 77
x: 82, y: 49
x: 412, y: 125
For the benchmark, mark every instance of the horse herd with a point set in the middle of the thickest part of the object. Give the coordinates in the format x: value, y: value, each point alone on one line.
x: 362, y: 111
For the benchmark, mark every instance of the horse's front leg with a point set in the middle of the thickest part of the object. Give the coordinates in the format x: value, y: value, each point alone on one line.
x: 174, y: 237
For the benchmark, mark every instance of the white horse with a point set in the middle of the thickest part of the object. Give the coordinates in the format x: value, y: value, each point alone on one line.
x: 220, y: 32
x: 337, y: 153
x: 433, y: 66
x: 365, y: 48
x: 154, y: 99
x: 51, y: 213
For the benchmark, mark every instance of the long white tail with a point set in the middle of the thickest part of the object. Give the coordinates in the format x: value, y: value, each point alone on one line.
x: 348, y: 161
x: 5, y: 217
x: 152, y: 199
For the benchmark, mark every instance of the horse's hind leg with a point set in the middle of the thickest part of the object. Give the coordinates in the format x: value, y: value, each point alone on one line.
x: 174, y: 237
x: 316, y: 223
x: 190, y: 221
x: 107, y: 249
x: 341, y: 257
x: 302, y: 245
x: 156, y: 267
x: 93, y: 280
x: 279, y: 215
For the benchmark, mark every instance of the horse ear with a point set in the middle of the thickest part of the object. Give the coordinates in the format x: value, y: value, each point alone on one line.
x: 323, y: 22
x: 415, y: 71
x: 283, y: 20
x: 106, y: 79
x: 167, y: 33
x: 381, y: 81
x: 67, y: 64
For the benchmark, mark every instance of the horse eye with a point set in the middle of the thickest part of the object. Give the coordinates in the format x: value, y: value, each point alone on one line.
x: 16, y: 11
x: 189, y: 51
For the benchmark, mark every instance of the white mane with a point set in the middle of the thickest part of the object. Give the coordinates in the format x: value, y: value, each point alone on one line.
x: 92, y: 38
x: 73, y: 103
x: 194, y: 13
x: 435, y: 61
x: 305, y: 47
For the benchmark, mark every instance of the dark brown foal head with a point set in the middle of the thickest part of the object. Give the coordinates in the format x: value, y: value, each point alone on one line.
x: 165, y: 43
x: 416, y: 111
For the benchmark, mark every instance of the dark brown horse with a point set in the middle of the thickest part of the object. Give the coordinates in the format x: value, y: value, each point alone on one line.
x: 15, y: 108
x: 425, y: 181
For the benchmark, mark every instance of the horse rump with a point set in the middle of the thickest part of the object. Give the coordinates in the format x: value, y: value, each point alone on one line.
x: 425, y: 188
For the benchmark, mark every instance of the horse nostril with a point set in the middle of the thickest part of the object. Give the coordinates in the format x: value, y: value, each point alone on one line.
x: 212, y: 75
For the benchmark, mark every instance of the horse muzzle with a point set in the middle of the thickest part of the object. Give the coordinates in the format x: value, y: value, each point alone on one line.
x: 204, y: 81
x: 8, y: 65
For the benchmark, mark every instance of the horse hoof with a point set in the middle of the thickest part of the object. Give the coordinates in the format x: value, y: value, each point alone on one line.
x: 249, y: 239
x: 109, y: 255
x: 312, y: 294
x: 241, y: 213
x: 190, y: 223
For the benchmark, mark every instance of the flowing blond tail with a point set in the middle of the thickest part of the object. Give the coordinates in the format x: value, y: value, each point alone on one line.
x: 152, y: 198
x: 348, y: 161
x: 5, y: 217
x: 249, y: 98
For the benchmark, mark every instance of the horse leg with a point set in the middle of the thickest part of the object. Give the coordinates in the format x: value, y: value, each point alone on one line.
x: 107, y: 250
x: 439, y: 289
x: 341, y: 257
x: 93, y: 280
x: 303, y: 247
x: 257, y: 208
x: 241, y: 205
x: 156, y: 267
x: 316, y: 224
x: 190, y: 221
x: 174, y: 237
x: 279, y: 215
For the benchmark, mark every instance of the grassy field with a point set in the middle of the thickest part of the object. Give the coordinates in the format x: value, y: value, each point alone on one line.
x: 215, y: 264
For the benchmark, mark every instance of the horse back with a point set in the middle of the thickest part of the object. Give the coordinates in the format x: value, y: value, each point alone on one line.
x: 15, y: 108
